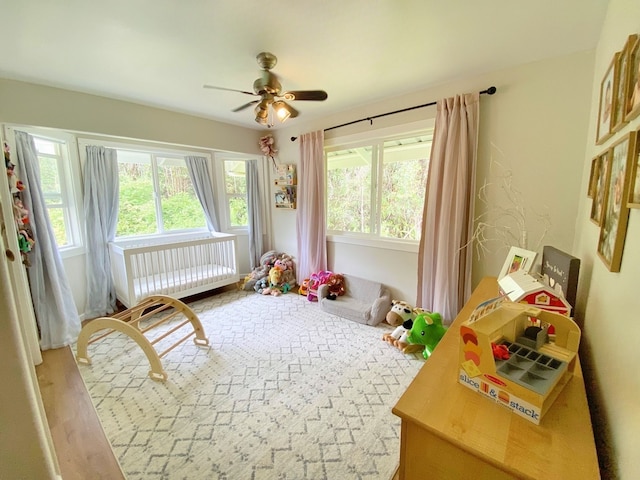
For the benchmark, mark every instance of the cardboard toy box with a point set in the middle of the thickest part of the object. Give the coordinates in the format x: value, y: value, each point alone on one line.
x: 530, y: 367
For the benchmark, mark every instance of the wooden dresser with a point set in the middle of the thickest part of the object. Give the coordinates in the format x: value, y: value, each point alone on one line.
x: 451, y: 432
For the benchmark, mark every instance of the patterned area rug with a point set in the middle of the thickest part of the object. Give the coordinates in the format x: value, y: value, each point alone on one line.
x: 285, y: 391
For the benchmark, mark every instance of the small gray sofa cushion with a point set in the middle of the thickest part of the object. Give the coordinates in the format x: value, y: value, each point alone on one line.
x: 365, y: 301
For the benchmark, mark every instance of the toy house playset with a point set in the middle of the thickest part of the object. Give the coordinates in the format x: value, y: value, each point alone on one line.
x: 507, y: 354
x: 521, y: 287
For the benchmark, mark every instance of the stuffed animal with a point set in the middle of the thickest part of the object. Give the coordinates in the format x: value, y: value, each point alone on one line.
x: 400, y: 312
x: 427, y: 330
x: 269, y: 260
x: 401, y: 316
x: 335, y: 286
x: 304, y: 287
x: 261, y: 284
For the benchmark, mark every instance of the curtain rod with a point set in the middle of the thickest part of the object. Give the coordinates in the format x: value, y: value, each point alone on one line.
x: 488, y: 91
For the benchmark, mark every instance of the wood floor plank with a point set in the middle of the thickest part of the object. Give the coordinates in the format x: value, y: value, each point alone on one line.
x: 83, y: 451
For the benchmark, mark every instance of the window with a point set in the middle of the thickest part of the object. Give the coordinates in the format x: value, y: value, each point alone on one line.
x: 235, y: 187
x: 376, y: 188
x: 59, y: 186
x: 156, y: 194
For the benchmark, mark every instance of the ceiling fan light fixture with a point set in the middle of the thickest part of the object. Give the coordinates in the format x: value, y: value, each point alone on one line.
x: 262, y: 113
x: 283, y: 111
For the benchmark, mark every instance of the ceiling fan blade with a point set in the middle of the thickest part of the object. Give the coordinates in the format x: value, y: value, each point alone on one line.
x: 246, y: 105
x: 317, y: 95
x: 229, y: 89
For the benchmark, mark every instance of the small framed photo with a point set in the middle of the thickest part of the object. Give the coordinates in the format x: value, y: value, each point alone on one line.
x: 634, y: 188
x: 607, y: 96
x: 593, y: 177
x: 618, y: 119
x: 632, y: 95
x: 518, y: 259
x: 603, y: 165
x: 616, y: 213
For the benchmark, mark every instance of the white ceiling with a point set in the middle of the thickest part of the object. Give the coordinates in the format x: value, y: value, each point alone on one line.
x: 161, y: 52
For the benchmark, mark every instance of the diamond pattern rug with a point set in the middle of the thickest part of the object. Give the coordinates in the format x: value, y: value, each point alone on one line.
x: 285, y: 391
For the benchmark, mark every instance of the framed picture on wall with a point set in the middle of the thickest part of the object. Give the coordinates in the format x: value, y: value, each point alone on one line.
x: 593, y: 176
x: 607, y: 96
x: 618, y: 119
x: 518, y: 259
x: 616, y: 213
x: 600, y: 189
x: 632, y: 95
x: 634, y: 188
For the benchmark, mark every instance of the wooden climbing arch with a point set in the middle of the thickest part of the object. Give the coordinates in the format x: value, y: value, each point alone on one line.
x: 128, y: 322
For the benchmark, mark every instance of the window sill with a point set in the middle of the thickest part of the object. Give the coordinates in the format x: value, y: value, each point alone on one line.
x: 382, y: 243
x: 69, y: 252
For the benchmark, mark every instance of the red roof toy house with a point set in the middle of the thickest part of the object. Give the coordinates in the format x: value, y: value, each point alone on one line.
x: 521, y: 287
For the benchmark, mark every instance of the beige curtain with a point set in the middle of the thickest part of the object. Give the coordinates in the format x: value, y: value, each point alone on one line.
x: 311, y: 224
x: 444, y: 257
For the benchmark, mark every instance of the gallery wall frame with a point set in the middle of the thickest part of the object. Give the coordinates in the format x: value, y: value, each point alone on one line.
x: 600, y: 178
x: 608, y: 88
x: 632, y: 94
x: 623, y: 70
x: 615, y: 216
x: 634, y: 188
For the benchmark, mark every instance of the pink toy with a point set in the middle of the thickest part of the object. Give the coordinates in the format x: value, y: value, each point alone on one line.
x: 317, y: 279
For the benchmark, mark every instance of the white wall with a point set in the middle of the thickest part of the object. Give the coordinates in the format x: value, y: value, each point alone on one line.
x: 37, y: 105
x: 609, y: 302
x: 538, y: 120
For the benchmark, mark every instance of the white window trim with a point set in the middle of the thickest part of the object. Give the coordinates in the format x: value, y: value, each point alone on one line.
x: 72, y: 174
x: 221, y: 191
x: 367, y: 138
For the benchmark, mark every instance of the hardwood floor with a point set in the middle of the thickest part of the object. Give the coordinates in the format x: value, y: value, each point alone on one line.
x: 83, y: 451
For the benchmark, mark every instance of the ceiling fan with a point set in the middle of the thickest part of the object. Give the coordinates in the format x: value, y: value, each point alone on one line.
x: 268, y: 88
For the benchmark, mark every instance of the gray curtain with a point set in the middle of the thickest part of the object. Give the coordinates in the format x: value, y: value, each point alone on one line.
x: 198, y: 168
x: 254, y: 210
x: 101, y: 195
x: 53, y: 303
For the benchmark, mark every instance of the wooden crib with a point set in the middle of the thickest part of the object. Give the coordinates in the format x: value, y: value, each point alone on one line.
x: 174, y: 266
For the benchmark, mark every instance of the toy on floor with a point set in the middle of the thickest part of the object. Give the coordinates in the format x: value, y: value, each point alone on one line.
x: 268, y: 261
x: 427, y: 330
x: 317, y: 279
x: 400, y: 313
x: 304, y: 287
x: 336, y: 286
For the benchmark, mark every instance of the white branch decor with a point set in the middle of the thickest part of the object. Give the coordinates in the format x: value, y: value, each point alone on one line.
x: 504, y: 221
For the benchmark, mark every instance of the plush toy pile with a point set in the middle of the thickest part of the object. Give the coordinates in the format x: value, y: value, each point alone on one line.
x: 416, y: 330
x: 274, y: 276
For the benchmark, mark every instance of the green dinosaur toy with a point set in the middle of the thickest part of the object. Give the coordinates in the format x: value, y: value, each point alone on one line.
x: 427, y: 330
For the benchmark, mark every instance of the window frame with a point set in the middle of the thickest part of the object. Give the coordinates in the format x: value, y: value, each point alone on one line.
x: 224, y: 208
x: 154, y: 151
x: 375, y: 139
x: 68, y: 165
